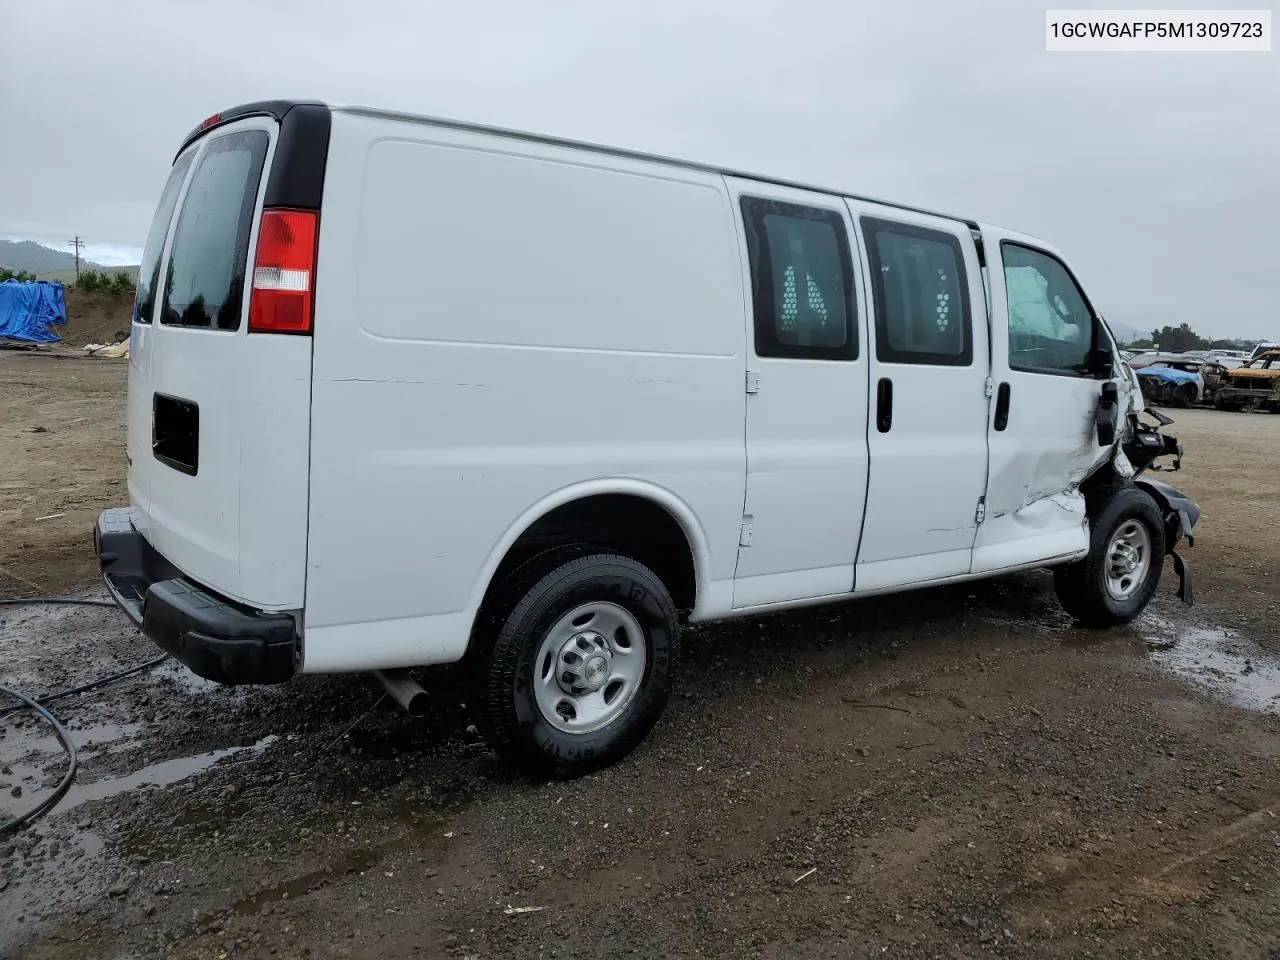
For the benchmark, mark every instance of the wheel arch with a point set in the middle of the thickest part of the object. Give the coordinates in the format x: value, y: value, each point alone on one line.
x: 529, y: 533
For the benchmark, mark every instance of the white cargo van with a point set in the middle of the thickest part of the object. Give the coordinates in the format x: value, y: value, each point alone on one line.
x: 406, y: 391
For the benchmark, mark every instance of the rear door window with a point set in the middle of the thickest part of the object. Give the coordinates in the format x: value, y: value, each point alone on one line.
x: 921, y: 295
x: 149, y: 271
x: 205, y: 283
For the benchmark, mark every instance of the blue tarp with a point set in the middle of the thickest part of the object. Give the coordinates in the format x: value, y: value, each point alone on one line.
x: 28, y: 309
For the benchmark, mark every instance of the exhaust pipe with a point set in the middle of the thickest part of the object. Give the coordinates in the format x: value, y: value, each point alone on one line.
x: 404, y: 689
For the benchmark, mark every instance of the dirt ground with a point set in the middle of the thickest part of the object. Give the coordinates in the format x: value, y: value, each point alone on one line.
x: 95, y: 317
x: 61, y: 462
x: 951, y: 773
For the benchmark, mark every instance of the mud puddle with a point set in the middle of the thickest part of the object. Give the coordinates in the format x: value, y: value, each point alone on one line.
x: 162, y: 774
x: 1217, y: 660
x: 64, y: 861
x: 32, y: 758
x: 357, y: 861
x: 42, y: 875
x: 25, y: 782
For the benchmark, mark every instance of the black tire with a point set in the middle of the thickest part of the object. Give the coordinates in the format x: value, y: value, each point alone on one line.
x: 508, y: 639
x: 1082, y: 586
x: 1186, y: 396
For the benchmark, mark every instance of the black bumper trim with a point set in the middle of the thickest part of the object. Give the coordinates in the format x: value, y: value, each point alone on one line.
x: 214, y: 637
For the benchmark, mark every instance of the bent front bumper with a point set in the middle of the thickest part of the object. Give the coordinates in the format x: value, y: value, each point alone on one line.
x: 1180, y: 514
x: 214, y: 637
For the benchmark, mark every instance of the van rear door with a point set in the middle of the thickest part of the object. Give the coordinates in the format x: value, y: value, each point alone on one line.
x: 220, y: 410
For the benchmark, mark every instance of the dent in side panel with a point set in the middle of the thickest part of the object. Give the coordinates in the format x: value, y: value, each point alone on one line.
x: 1034, y: 482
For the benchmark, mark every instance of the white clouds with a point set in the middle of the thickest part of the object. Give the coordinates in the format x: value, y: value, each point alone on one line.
x: 1159, y: 174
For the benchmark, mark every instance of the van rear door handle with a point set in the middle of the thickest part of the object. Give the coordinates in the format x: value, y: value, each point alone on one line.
x: 1002, y: 407
x: 884, y: 405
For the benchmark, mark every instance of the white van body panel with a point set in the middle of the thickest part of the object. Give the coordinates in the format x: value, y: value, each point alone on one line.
x: 501, y: 324
x: 238, y: 524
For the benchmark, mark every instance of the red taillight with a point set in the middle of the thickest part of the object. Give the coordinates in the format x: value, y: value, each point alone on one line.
x: 284, y: 272
x: 211, y: 121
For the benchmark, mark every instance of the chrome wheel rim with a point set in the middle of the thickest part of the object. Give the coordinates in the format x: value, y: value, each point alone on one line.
x: 1128, y: 559
x: 589, y: 667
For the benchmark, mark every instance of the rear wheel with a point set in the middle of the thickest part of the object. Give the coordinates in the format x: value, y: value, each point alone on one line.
x: 1115, y: 582
x: 578, y: 662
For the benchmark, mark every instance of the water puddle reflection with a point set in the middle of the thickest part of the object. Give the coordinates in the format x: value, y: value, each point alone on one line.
x: 162, y: 774
x: 1217, y: 660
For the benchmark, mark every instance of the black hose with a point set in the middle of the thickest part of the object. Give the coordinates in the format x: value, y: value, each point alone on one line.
x: 73, y: 761
x: 92, y: 685
x: 26, y: 703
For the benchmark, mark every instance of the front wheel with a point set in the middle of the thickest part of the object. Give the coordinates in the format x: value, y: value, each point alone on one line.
x: 1115, y: 582
x: 581, y: 664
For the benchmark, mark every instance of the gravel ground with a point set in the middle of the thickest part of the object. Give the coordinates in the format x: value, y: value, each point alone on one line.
x: 956, y: 772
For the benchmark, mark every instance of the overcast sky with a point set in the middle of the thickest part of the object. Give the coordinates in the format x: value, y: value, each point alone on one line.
x: 1157, y: 174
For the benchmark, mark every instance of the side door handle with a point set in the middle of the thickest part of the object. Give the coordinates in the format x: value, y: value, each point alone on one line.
x: 884, y: 405
x: 1002, y: 407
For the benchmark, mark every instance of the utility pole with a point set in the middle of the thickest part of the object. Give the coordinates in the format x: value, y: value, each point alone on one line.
x: 77, y: 243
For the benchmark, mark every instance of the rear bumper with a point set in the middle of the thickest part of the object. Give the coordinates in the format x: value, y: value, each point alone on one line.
x: 216, y: 638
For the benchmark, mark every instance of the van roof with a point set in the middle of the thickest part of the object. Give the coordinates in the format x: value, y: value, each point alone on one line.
x: 278, y: 108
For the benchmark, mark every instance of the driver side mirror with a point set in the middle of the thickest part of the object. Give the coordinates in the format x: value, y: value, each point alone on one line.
x: 1108, y: 414
x: 1102, y: 362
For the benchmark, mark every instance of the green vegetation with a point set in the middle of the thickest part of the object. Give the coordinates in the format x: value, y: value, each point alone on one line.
x: 1182, y: 338
x: 1179, y: 339
x: 119, y: 282
x: 7, y: 274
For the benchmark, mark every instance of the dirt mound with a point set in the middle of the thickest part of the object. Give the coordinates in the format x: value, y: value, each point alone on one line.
x: 95, y: 317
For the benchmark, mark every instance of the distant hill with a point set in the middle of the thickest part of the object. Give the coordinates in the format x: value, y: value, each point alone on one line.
x: 32, y: 257
x: 49, y: 264
x: 1126, y: 334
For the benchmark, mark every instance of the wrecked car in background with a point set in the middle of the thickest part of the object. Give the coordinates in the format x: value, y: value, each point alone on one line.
x: 1167, y: 383
x: 1180, y: 380
x: 1213, y: 376
x: 1254, y: 385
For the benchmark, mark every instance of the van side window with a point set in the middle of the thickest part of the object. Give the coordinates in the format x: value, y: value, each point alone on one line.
x: 149, y: 272
x: 921, y: 295
x: 205, y: 285
x: 1051, y: 328
x: 801, y: 280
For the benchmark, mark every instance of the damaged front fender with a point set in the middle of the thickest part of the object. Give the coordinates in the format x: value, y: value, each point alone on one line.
x: 1180, y: 515
x: 1180, y: 511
